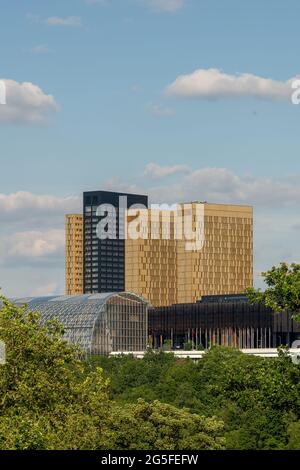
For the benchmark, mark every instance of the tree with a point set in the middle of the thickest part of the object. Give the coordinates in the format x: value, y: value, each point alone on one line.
x: 147, y: 426
x: 256, y: 398
x: 253, y: 396
x: 283, y: 289
x: 47, y: 399
x: 51, y: 400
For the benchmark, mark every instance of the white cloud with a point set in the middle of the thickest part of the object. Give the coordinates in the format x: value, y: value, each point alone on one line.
x: 51, y: 288
x: 216, y: 185
x: 222, y: 185
x: 32, y: 241
x: 213, y: 84
x: 156, y: 171
x: 158, y: 110
x: 24, y: 203
x: 33, y: 245
x: 26, y: 103
x: 26, y: 280
x: 166, y: 5
x: 73, y: 21
x: 24, y: 211
x: 275, y: 239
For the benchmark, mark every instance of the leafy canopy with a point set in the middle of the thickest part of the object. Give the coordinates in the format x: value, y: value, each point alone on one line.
x: 283, y: 289
x: 258, y: 399
x: 50, y: 399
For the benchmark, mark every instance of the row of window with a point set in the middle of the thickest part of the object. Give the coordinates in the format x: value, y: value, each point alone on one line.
x: 103, y: 247
x: 104, y: 263
x: 104, y: 288
x: 106, y: 272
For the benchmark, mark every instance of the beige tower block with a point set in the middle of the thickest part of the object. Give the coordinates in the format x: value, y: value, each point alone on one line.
x: 74, y: 254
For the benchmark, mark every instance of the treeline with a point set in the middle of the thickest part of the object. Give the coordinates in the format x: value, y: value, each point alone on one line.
x: 50, y: 399
x: 257, y: 399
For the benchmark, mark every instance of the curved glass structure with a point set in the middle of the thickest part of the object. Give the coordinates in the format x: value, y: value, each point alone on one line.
x: 97, y: 323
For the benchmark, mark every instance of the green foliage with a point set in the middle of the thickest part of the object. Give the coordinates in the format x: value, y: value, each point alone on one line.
x: 47, y: 399
x: 188, y: 346
x: 167, y: 346
x: 163, y: 427
x: 50, y: 399
x: 257, y: 399
x: 283, y: 291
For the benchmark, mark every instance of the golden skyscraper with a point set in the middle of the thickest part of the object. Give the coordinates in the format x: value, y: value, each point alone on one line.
x: 151, y: 264
x: 225, y: 263
x: 74, y: 254
x: 165, y: 272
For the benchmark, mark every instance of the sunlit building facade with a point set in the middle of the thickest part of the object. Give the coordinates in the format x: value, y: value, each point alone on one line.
x: 165, y: 272
x: 74, y: 254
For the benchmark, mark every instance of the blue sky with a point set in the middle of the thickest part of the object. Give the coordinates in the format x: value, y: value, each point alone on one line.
x: 104, y: 118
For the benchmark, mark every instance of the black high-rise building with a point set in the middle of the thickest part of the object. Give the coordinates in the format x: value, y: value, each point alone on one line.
x: 104, y: 259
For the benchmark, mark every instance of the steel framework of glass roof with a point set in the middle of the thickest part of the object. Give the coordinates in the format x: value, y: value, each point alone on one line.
x: 98, y: 323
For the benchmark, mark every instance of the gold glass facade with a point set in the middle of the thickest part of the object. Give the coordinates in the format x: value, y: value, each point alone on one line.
x: 165, y: 272
x: 150, y: 262
x: 74, y: 254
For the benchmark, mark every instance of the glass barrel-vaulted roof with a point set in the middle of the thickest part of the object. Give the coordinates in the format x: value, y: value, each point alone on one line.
x: 97, y: 323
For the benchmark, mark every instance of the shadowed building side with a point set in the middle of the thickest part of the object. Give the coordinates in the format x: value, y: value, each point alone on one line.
x: 221, y: 320
x: 104, y: 259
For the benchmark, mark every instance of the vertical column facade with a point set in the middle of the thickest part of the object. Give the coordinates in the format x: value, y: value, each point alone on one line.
x: 74, y: 254
x: 225, y: 263
x: 151, y: 263
x: 164, y: 272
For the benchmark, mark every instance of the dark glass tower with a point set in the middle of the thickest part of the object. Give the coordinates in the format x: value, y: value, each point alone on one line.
x: 104, y: 260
